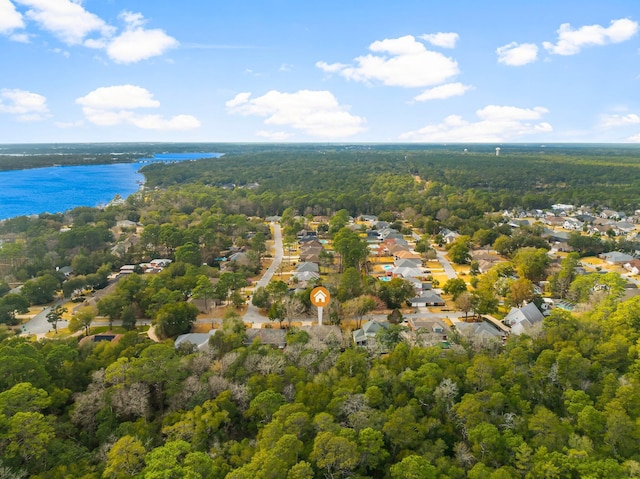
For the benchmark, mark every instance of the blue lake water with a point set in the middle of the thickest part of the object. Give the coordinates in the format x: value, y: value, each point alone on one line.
x: 58, y: 189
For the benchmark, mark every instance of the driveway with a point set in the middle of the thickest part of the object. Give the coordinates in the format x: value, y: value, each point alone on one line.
x: 448, y: 269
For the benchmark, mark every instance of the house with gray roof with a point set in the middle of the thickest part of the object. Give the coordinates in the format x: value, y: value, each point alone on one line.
x: 482, y: 332
x: 199, y: 340
x: 427, y: 298
x: 615, y: 257
x: 524, y: 319
x: 449, y: 236
x: 306, y: 275
x: 408, y: 263
x: 307, y: 267
x: 367, y: 334
x: 611, y: 214
x: 406, y: 272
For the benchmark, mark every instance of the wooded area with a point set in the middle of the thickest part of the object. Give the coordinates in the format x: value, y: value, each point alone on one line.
x: 560, y: 402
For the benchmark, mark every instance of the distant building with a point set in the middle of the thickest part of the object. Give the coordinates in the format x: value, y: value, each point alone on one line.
x: 616, y: 257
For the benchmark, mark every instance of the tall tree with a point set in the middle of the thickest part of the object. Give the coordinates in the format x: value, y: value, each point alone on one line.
x: 204, y: 289
x: 10, y: 304
x: 54, y: 315
x: 352, y: 249
x: 111, y: 306
x: 531, y: 263
x: 125, y: 458
x: 41, y: 290
x: 395, y: 292
x: 455, y: 287
x: 83, y: 319
x: 560, y: 281
x: 359, y: 307
x: 464, y: 302
x: 350, y: 284
x: 259, y: 244
x: 520, y: 292
x: 458, y: 250
x: 189, y: 253
x: 175, y: 318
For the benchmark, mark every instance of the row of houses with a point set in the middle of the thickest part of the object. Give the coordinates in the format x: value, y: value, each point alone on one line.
x: 308, y: 266
x: 153, y: 266
x: 367, y: 334
x: 591, y: 225
x: 408, y: 265
x: 570, y: 210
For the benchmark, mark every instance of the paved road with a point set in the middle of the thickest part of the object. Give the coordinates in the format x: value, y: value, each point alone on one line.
x: 252, y: 315
x: 448, y: 269
x: 39, y: 325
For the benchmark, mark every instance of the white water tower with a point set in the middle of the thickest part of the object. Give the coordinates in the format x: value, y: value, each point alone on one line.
x: 498, y: 151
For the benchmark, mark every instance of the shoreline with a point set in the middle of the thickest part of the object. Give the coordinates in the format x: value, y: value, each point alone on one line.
x: 55, y: 188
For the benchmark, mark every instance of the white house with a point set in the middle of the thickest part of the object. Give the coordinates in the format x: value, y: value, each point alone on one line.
x: 523, y: 319
x: 573, y: 224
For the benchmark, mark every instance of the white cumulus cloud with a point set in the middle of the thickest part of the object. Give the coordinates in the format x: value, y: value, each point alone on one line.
x: 65, y: 19
x: 331, y: 67
x: 116, y: 105
x: 72, y: 24
x: 137, y: 43
x: 10, y: 18
x: 25, y: 105
x: 403, y: 62
x: 612, y: 121
x: 440, y: 39
x: 515, y: 54
x: 119, y: 97
x: 571, y: 41
x: 315, y: 113
x: 496, y: 124
x: 443, y: 92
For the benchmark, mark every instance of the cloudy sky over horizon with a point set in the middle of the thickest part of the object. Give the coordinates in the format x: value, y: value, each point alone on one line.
x: 273, y: 70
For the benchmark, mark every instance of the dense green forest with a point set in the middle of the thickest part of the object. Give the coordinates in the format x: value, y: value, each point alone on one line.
x: 560, y: 402
x: 357, y: 178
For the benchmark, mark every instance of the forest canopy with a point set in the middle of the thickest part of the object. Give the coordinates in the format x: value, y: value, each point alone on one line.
x: 363, y: 180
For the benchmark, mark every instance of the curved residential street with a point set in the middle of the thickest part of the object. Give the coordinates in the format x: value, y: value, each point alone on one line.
x: 39, y: 325
x: 252, y: 315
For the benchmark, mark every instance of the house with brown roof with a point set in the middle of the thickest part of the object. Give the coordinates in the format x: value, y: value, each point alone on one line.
x: 406, y: 255
x: 633, y: 266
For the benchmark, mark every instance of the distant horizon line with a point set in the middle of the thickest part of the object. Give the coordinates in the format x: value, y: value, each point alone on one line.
x: 524, y: 143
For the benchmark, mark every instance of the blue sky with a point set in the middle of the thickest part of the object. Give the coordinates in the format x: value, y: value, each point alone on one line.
x: 350, y: 71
